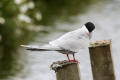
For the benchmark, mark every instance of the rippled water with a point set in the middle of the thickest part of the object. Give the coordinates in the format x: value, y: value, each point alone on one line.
x: 106, y: 17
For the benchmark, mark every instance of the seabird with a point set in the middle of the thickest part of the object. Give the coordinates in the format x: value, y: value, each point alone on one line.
x: 69, y: 43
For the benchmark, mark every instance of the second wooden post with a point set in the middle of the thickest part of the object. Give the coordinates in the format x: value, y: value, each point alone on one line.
x: 101, y: 60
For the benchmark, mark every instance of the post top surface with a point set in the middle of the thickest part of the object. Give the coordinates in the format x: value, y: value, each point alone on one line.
x: 59, y: 64
x: 100, y: 43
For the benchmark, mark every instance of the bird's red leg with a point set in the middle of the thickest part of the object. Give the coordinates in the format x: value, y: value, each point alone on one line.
x: 74, y: 58
x: 68, y: 57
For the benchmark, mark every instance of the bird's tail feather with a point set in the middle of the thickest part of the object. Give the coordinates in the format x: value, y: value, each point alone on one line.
x: 41, y: 48
x: 37, y: 49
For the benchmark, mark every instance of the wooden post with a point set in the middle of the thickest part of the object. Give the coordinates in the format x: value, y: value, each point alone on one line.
x: 101, y: 60
x: 66, y: 70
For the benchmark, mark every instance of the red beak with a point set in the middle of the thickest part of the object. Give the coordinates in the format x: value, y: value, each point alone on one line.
x: 89, y: 33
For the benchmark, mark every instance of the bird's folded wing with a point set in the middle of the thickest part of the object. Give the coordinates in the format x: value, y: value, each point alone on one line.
x: 41, y: 48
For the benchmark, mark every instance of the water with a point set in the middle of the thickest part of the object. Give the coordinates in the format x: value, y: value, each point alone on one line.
x: 106, y: 18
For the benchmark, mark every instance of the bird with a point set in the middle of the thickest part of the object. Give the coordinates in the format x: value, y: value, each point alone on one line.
x: 69, y: 43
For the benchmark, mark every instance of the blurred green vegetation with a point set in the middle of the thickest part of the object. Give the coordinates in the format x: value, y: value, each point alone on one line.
x: 22, y: 20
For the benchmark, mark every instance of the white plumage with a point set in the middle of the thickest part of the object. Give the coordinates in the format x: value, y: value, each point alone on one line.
x: 73, y: 41
x: 70, y: 42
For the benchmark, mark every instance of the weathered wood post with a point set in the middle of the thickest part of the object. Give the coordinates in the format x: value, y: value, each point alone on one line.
x: 66, y: 70
x: 101, y: 60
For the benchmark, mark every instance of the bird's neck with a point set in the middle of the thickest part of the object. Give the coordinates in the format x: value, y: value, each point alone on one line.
x: 85, y: 29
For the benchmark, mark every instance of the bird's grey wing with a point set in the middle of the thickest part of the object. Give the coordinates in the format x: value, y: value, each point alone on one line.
x: 41, y: 48
x: 73, y: 41
x: 69, y: 35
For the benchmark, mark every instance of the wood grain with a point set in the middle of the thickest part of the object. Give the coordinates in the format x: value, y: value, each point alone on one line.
x: 101, y: 60
x: 66, y: 70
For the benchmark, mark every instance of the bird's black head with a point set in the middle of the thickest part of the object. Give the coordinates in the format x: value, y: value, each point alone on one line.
x: 90, y: 26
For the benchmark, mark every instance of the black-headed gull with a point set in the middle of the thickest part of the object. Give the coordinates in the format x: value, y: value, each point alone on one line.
x: 70, y: 43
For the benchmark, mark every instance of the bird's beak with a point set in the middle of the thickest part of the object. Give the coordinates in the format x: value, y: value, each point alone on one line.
x: 90, y: 35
